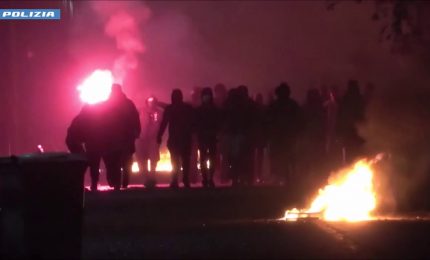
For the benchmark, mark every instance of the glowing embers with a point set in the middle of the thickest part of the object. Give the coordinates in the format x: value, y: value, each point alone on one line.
x: 97, y: 87
x: 349, y: 196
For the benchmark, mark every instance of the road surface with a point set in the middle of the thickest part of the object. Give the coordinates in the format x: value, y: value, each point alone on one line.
x: 234, y: 223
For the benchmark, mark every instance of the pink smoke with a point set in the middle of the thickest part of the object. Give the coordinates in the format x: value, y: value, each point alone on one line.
x: 123, y: 22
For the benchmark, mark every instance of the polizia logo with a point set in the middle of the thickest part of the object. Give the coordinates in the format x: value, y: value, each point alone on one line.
x: 30, y: 14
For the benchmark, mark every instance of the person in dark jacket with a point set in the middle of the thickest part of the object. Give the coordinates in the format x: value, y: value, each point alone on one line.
x: 179, y: 117
x: 351, y: 114
x: 260, y: 137
x: 285, y: 124
x: 75, y: 135
x: 313, y: 156
x: 239, y: 130
x: 107, y: 131
x: 87, y: 134
x: 123, y: 127
x: 222, y: 171
x: 195, y: 102
x: 207, y: 127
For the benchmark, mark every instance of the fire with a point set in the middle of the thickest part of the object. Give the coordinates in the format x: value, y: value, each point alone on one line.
x: 148, y: 165
x: 97, y: 87
x: 135, y: 167
x: 164, y: 164
x: 349, y: 196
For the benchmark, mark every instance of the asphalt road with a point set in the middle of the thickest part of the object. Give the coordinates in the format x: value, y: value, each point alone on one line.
x: 234, y: 223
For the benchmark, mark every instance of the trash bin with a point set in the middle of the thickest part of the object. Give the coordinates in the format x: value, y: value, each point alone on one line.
x: 41, y: 201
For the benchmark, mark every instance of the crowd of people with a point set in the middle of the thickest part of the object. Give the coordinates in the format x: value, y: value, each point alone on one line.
x: 228, y: 131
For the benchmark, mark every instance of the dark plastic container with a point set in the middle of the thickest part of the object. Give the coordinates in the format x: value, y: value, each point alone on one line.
x: 41, y: 201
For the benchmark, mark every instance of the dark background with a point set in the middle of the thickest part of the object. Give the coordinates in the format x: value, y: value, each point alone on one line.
x: 198, y: 43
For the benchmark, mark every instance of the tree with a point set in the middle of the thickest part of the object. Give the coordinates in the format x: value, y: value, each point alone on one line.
x: 405, y: 24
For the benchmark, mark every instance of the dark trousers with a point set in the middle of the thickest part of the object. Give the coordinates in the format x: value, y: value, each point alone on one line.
x: 113, y: 161
x: 207, y: 153
x: 246, y: 164
x: 94, y: 159
x: 180, y: 156
x: 126, y: 163
x: 283, y: 160
x: 241, y: 160
x: 118, y: 167
x: 259, y: 160
x: 116, y: 163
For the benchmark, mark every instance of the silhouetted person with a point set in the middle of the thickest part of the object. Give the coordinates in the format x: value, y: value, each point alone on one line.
x: 331, y: 107
x: 260, y: 136
x: 87, y: 133
x: 220, y: 94
x: 75, y: 138
x: 314, y: 120
x: 285, y: 123
x: 148, y: 148
x: 220, y: 97
x: 195, y: 103
x: 351, y: 113
x: 123, y: 129
x: 240, y: 126
x: 207, y: 128
x: 179, y: 117
x: 313, y: 139
x: 228, y: 129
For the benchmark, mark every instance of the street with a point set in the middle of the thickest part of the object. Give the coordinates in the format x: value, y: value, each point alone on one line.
x: 233, y: 223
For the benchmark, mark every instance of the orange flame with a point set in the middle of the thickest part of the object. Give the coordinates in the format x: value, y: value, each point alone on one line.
x: 135, y: 167
x: 164, y: 164
x: 349, y: 196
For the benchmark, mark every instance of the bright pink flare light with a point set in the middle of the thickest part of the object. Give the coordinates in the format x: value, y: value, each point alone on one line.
x: 97, y: 87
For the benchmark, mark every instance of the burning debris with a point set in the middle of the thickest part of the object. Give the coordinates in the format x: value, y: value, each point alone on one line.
x: 349, y: 196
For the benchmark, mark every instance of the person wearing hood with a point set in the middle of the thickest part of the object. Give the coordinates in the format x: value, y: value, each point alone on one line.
x: 207, y: 127
x: 123, y: 130
x: 179, y: 118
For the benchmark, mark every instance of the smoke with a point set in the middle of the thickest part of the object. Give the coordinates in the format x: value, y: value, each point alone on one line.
x: 166, y: 44
x: 123, y: 22
x: 398, y: 123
